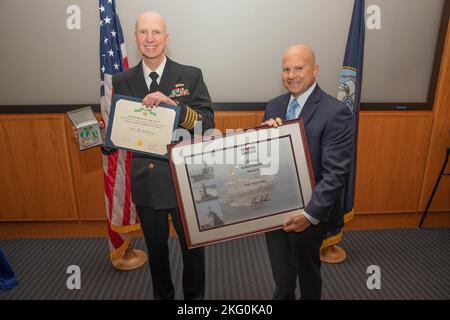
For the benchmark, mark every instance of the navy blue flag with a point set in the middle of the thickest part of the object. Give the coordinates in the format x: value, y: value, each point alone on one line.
x: 7, y: 277
x: 349, y: 92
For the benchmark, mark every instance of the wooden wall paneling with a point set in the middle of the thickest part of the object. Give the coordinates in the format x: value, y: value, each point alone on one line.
x: 35, y: 167
x: 66, y: 229
x: 62, y: 183
x: 396, y: 220
x: 87, y: 169
x: 52, y: 229
x: 392, y: 150
x: 87, y: 165
x: 237, y: 119
x: 440, y: 139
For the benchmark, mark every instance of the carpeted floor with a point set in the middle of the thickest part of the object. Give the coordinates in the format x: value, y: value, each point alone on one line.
x: 414, y: 264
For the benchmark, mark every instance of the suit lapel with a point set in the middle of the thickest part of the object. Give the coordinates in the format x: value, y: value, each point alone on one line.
x: 311, y: 105
x: 285, y: 104
x: 169, y: 78
x: 137, y: 82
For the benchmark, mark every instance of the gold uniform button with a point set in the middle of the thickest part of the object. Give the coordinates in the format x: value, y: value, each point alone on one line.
x: 151, y: 166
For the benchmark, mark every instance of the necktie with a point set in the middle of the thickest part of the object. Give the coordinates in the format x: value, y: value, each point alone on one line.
x: 290, y: 114
x: 154, y: 86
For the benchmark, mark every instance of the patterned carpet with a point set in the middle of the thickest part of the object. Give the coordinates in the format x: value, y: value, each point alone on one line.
x: 413, y: 264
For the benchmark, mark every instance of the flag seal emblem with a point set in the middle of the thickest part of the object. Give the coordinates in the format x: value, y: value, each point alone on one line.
x: 347, y: 86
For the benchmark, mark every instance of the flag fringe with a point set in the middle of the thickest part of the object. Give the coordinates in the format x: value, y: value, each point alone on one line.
x: 333, y: 240
x: 117, y: 253
x: 349, y: 216
x: 126, y: 229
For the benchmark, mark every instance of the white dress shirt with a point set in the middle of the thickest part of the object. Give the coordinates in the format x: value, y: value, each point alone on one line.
x: 158, y: 70
x: 302, y: 99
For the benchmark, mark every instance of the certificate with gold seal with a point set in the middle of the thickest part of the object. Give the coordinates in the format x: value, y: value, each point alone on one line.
x: 141, y: 129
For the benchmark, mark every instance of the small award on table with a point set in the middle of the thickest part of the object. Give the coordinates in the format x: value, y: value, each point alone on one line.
x: 87, y: 127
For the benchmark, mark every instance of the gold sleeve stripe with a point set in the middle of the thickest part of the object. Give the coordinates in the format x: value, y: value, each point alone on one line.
x: 190, y: 119
x: 194, y: 117
x: 186, y: 118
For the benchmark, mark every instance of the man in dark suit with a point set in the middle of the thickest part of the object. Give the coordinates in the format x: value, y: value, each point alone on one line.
x: 294, y: 251
x: 157, y: 79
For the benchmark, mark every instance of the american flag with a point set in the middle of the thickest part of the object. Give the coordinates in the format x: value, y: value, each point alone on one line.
x: 121, y: 212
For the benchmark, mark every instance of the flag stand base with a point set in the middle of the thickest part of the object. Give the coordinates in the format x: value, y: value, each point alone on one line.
x: 132, y: 259
x: 332, y: 254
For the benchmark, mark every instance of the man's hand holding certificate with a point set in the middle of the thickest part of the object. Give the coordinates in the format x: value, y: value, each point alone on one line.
x: 140, y: 128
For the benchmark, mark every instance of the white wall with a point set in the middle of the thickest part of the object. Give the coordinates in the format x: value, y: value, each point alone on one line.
x: 237, y: 43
